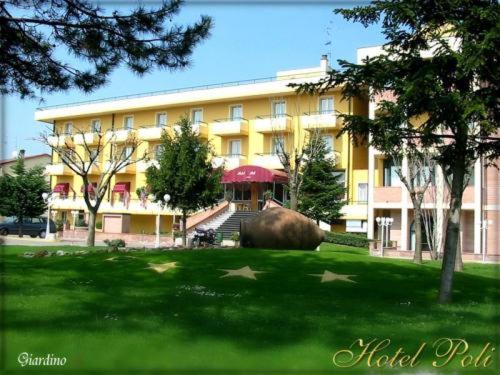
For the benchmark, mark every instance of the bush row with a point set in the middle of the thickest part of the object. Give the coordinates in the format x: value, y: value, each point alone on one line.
x: 349, y: 239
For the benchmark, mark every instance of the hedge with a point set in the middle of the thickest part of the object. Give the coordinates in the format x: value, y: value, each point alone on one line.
x: 348, y: 239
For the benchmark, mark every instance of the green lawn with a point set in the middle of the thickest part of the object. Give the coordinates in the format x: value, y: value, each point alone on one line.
x: 104, y: 315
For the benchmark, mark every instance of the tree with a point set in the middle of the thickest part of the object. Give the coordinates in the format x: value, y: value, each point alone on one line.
x: 102, y: 155
x: 37, y: 35
x: 439, y: 62
x: 185, y: 173
x: 322, y: 194
x: 415, y: 168
x: 22, y: 192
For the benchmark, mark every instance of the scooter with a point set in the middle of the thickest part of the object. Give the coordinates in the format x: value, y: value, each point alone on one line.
x: 203, y: 237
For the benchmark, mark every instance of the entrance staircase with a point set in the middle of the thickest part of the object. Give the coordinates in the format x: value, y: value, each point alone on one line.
x: 232, y: 223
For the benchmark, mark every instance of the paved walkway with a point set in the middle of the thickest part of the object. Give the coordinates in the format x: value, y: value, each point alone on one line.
x: 28, y: 241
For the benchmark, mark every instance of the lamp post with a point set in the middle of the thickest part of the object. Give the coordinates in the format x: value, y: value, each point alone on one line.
x: 384, y: 223
x: 484, y: 227
x: 159, y: 202
x: 48, y: 199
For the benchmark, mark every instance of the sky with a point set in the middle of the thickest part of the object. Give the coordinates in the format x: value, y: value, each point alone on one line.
x: 247, y: 41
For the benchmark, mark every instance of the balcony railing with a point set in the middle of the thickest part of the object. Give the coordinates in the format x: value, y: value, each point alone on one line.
x: 128, y: 169
x: 229, y: 161
x: 319, y: 120
x: 199, y: 128
x: 143, y: 165
x: 60, y: 140
x: 59, y: 169
x: 120, y: 135
x: 152, y: 132
x: 272, y: 123
x: 227, y: 127
x: 89, y: 138
x: 268, y: 160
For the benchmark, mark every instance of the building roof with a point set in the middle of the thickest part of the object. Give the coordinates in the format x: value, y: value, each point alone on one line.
x: 11, y: 160
x: 254, y: 88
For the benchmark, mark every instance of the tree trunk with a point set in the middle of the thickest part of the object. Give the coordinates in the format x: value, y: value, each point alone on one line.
x: 452, y: 235
x: 417, y: 225
x: 293, y: 198
x: 91, y: 228
x: 20, y: 226
x: 459, y: 264
x: 184, y: 229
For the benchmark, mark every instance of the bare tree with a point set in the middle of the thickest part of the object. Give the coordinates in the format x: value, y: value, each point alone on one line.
x: 120, y: 155
x: 415, y: 170
x: 295, y: 156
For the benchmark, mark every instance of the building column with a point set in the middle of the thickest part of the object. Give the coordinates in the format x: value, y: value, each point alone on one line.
x: 404, y: 208
x: 477, y: 206
x: 371, y: 178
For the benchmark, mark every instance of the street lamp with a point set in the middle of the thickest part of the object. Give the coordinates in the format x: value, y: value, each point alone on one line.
x: 48, y: 199
x: 384, y: 223
x: 484, y: 224
x: 159, y: 202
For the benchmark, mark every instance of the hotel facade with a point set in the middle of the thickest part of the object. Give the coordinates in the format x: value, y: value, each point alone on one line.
x: 245, y: 122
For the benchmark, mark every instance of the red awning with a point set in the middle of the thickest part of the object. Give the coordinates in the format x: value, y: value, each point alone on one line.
x: 90, y: 187
x: 61, y: 188
x: 121, y: 187
x: 253, y: 173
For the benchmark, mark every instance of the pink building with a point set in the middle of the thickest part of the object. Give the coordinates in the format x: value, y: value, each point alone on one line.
x: 389, y: 198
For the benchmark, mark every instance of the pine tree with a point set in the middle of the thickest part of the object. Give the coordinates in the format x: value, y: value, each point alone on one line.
x: 22, y: 192
x: 322, y: 195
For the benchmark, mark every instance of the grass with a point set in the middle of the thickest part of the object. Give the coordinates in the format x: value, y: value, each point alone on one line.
x: 121, y: 316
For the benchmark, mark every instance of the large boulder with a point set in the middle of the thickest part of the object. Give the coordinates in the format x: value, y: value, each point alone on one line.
x: 280, y: 228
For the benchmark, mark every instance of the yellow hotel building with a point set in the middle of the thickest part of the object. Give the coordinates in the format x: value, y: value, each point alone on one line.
x: 242, y: 121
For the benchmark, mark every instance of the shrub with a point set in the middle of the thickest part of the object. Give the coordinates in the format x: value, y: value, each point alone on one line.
x: 349, y: 239
x: 177, y: 233
x: 235, y: 236
x: 114, y: 244
x: 80, y: 223
x: 98, y: 225
x: 59, y: 225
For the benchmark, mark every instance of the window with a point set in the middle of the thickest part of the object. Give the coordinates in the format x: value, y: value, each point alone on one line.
x: 340, y: 175
x: 158, y: 149
x: 127, y: 152
x: 279, y: 109
x: 236, y: 112
x: 128, y: 122
x: 362, y: 192
x: 95, y: 126
x: 68, y: 128
x: 328, y: 139
x: 325, y: 105
x: 196, y: 116
x: 161, y: 119
x: 391, y: 177
x: 277, y: 145
x: 235, y: 147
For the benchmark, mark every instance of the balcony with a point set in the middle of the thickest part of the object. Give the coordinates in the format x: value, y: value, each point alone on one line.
x: 318, y: 120
x: 120, y: 135
x: 228, y: 161
x: 86, y: 138
x: 143, y: 165
x: 228, y: 127
x: 270, y: 161
x: 273, y: 124
x: 387, y: 195
x: 94, y: 168
x: 150, y: 133
x: 60, y: 140
x: 59, y: 169
x: 199, y: 129
x: 128, y: 169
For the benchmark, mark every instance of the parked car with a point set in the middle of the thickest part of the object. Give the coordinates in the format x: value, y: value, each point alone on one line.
x: 34, y: 226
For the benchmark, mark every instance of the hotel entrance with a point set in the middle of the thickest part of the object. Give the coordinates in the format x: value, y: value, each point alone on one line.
x: 247, y: 185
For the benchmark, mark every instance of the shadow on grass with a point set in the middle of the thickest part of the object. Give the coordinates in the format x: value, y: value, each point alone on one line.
x: 285, y: 306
